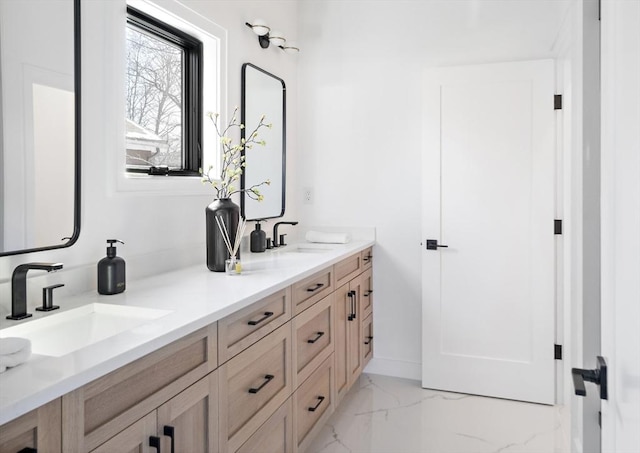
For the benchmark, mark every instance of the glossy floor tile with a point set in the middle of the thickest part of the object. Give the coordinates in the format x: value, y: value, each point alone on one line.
x: 392, y: 415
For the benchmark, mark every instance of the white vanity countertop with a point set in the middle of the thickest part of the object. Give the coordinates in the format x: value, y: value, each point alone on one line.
x: 195, y: 298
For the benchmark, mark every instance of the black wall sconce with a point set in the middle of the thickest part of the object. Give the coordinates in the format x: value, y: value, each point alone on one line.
x: 267, y: 37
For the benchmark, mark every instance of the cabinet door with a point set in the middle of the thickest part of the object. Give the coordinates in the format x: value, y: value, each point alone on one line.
x: 367, y: 293
x: 134, y: 439
x: 367, y: 341
x: 39, y: 429
x: 342, y: 304
x: 355, y: 331
x: 189, y: 421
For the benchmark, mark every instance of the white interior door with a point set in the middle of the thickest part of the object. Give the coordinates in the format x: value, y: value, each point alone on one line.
x: 489, y: 195
x: 620, y: 226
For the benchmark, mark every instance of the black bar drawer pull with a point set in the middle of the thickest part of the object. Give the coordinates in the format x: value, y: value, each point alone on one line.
x: 267, y: 379
x: 367, y: 258
x: 369, y: 291
x: 267, y: 314
x: 368, y: 340
x: 315, y: 288
x: 154, y: 441
x: 320, y: 400
x: 313, y: 340
x: 170, y: 431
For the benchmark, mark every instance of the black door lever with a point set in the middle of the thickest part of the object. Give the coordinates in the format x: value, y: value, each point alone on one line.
x: 597, y: 376
x: 432, y: 244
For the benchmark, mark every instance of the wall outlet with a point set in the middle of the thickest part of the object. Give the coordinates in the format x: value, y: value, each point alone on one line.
x: 307, y: 195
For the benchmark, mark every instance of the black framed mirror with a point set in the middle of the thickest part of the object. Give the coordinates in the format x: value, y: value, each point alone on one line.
x: 39, y: 125
x: 264, y: 94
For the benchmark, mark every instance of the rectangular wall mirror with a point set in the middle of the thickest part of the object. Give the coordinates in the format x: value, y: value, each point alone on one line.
x: 39, y: 124
x: 264, y: 94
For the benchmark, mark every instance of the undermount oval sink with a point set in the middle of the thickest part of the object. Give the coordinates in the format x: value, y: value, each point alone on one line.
x: 62, y: 333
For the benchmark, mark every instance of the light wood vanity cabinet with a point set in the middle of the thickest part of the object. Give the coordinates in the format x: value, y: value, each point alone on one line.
x: 264, y: 379
x: 39, y: 430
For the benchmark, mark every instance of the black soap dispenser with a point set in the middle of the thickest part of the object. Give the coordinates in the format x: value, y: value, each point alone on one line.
x: 258, y: 239
x: 111, y: 271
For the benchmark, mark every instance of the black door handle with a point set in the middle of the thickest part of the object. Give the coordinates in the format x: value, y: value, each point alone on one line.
x: 597, y: 376
x: 169, y: 431
x: 432, y: 244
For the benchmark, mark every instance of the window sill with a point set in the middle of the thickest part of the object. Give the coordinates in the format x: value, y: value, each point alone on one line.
x: 165, y: 185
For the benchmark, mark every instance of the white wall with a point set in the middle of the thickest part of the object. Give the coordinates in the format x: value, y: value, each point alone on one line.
x: 161, y: 231
x: 359, y: 92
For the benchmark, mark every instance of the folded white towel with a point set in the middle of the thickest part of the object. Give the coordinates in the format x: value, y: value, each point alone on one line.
x: 13, y: 352
x: 328, y: 238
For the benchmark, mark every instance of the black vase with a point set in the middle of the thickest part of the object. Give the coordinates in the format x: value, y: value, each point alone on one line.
x: 217, y: 252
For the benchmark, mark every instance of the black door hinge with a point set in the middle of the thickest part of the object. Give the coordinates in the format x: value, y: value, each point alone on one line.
x: 557, y: 352
x: 557, y: 226
x: 557, y: 102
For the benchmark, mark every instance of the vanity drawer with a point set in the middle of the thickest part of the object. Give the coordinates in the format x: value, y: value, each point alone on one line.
x: 240, y: 330
x: 367, y: 258
x: 313, y: 404
x: 307, y: 292
x: 367, y: 340
x: 367, y: 293
x: 253, y: 385
x: 97, y: 411
x: 313, y: 332
x: 347, y: 269
x: 275, y: 435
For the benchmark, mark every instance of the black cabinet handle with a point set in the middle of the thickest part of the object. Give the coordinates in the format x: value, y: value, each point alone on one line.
x: 169, y: 431
x: 315, y: 288
x: 320, y: 400
x: 597, y: 376
x: 267, y: 379
x: 28, y: 450
x: 154, y: 442
x: 367, y: 258
x: 369, y: 291
x: 267, y: 314
x: 318, y: 336
x: 432, y: 244
x: 368, y: 340
x: 352, y: 296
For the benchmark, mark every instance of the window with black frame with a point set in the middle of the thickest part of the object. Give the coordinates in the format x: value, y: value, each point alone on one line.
x: 163, y: 98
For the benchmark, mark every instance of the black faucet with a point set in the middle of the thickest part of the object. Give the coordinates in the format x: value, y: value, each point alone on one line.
x: 19, y: 287
x: 280, y: 243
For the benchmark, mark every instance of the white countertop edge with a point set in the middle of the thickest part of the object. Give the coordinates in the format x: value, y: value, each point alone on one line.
x: 43, y: 379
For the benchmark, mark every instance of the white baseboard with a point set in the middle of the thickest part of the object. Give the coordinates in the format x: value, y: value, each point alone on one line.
x: 395, y: 368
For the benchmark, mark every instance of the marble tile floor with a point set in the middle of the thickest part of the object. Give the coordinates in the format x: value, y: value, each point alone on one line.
x: 382, y: 414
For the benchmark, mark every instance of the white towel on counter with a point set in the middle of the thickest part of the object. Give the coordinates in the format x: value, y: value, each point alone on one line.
x: 13, y: 352
x: 328, y: 238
